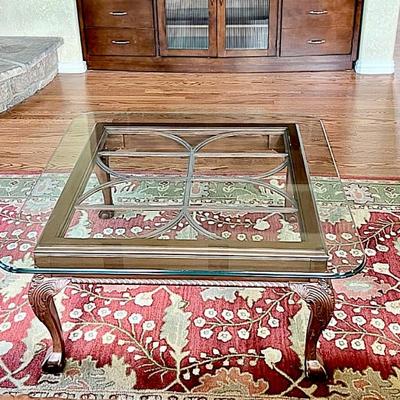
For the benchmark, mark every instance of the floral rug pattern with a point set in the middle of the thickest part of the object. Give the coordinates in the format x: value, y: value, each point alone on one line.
x: 180, y: 342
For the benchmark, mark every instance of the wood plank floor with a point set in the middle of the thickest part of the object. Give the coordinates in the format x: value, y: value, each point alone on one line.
x: 361, y: 113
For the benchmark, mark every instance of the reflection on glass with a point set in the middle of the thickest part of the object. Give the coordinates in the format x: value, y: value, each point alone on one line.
x: 187, y: 24
x: 247, y: 24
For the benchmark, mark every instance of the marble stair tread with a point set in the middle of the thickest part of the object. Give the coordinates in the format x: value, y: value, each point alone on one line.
x: 27, y: 64
x: 8, y: 70
x: 26, y: 50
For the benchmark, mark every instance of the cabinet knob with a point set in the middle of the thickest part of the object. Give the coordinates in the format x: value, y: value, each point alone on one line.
x: 316, y: 41
x: 120, y: 42
x: 318, y: 12
x: 118, y: 13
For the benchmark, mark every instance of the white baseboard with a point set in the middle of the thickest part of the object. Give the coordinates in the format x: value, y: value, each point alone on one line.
x: 77, y: 67
x: 374, y: 67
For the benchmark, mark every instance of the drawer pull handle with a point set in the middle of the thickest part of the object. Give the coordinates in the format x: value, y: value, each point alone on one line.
x: 316, y: 41
x: 118, y: 13
x: 318, y: 12
x: 120, y: 42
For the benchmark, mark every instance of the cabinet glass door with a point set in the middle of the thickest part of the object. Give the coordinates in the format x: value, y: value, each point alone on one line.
x: 247, y: 27
x: 187, y: 27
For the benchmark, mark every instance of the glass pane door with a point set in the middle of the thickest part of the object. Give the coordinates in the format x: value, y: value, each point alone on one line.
x: 187, y: 30
x: 247, y: 26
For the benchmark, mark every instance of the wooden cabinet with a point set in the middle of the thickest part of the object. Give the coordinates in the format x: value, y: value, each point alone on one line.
x: 220, y: 35
x: 120, y: 42
x: 187, y: 28
x: 118, y: 13
x: 117, y: 28
x: 322, y: 13
x: 217, y: 28
x: 247, y: 28
x: 317, y: 27
x: 316, y: 41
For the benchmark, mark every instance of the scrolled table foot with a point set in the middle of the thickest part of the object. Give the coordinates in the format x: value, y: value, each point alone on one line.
x: 315, y: 369
x: 41, y: 298
x: 320, y: 299
x: 106, y: 214
x: 54, y: 362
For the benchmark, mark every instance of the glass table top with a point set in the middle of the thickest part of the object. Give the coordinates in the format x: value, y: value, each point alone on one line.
x: 250, y: 196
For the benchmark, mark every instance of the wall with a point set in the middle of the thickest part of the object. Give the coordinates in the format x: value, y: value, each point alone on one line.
x: 378, y: 38
x: 59, y: 18
x: 46, y: 18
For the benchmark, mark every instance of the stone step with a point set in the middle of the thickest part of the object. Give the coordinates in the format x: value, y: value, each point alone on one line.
x: 27, y: 64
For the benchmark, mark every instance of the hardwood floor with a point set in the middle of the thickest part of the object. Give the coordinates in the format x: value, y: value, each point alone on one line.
x: 361, y: 113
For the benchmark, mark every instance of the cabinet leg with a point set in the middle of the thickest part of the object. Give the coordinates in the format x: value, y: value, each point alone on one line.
x: 41, y: 294
x: 321, y: 301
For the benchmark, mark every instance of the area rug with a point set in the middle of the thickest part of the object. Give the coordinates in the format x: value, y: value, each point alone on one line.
x: 174, y: 342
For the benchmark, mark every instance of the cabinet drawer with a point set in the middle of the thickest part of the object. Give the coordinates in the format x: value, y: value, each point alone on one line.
x: 118, y: 13
x: 120, y: 42
x: 316, y: 41
x: 310, y: 13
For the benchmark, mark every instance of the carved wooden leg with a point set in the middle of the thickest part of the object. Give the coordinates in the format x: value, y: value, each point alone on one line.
x: 104, y: 177
x: 41, y: 293
x: 321, y: 301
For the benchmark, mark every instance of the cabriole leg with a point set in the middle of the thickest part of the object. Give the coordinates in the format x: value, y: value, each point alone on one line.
x: 321, y: 301
x: 41, y: 294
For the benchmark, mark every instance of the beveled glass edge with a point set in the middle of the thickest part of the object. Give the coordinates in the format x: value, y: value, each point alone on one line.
x: 340, y: 181
x: 137, y: 273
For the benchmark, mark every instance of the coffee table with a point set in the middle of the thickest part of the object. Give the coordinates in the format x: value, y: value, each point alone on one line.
x: 223, y: 199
